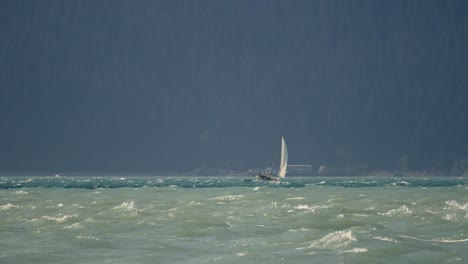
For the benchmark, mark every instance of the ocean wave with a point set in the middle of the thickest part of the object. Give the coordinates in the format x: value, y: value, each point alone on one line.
x: 335, y: 240
x: 437, y: 240
x: 227, y: 197
x: 456, y: 211
x: 74, y: 226
x: 59, y: 219
x: 455, y: 205
x: 128, y: 206
x: 295, y: 198
x: 85, y: 182
x: 403, y: 210
x: 355, y: 250
x: 385, y: 239
x: 7, y: 206
x: 88, y: 237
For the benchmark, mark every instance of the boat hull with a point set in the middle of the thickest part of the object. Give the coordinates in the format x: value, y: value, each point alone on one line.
x: 267, y: 177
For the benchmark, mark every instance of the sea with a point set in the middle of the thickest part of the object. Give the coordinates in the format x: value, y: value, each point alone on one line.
x: 132, y: 219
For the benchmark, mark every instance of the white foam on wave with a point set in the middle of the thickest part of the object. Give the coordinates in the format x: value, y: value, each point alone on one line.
x: 303, y: 207
x: 310, y: 208
x: 385, y: 239
x: 7, y: 206
x: 334, y: 240
x: 302, y: 229
x: 452, y: 204
x: 455, y: 211
x: 437, y: 240
x: 125, y: 209
x: 59, y: 219
x: 403, y: 210
x: 192, y: 203
x: 73, y: 226
x: 128, y: 206
x: 21, y: 192
x: 227, y: 197
x: 296, y: 198
x: 26, y: 181
x: 355, y: 250
x: 401, y: 183
x: 449, y: 216
x: 88, y: 237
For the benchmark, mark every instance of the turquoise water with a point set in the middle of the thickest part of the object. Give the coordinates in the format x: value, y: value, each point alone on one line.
x: 229, y: 220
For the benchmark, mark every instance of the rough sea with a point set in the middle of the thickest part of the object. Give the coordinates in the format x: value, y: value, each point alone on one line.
x: 231, y: 220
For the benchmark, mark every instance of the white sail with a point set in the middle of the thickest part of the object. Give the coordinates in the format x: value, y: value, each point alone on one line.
x: 284, y: 159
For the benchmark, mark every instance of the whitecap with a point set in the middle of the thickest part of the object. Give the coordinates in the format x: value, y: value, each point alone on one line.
x: 449, y: 216
x: 7, y: 206
x: 302, y: 229
x: 194, y: 203
x: 128, y: 206
x: 355, y: 250
x: 227, y: 197
x: 310, y: 208
x: 403, y: 210
x: 400, y: 183
x: 334, y: 240
x: 296, y: 198
x: 303, y: 207
x: 455, y: 210
x: 455, y: 205
x: 21, y: 192
x: 88, y: 237
x: 437, y: 240
x: 58, y: 219
x: 75, y: 225
x: 385, y: 239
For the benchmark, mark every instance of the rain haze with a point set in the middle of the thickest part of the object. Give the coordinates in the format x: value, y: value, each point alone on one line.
x: 171, y: 86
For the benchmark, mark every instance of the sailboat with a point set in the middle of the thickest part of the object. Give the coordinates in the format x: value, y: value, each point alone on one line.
x: 283, y: 165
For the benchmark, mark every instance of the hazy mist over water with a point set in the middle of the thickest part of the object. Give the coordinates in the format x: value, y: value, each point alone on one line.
x: 169, y: 86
